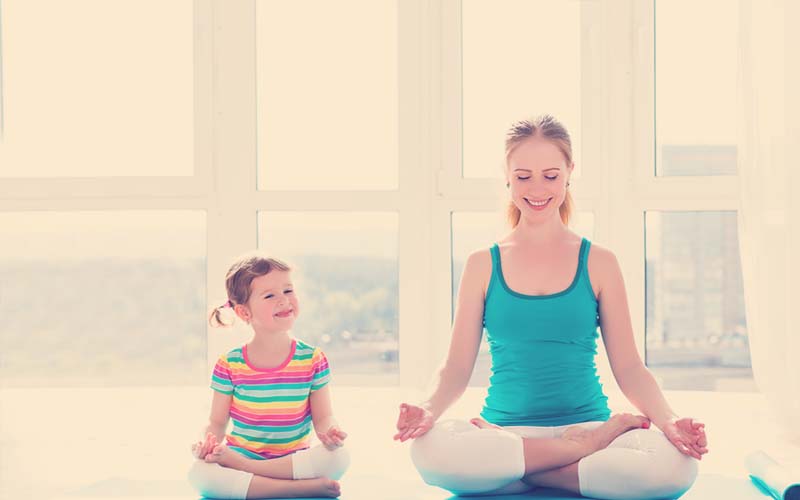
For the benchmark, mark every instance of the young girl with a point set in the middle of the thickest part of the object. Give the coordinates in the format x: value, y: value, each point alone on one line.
x: 541, y: 293
x: 274, y: 388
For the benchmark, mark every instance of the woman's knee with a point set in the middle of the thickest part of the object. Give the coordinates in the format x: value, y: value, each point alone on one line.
x: 452, y: 456
x: 672, y: 472
x: 215, y: 481
x: 643, y: 464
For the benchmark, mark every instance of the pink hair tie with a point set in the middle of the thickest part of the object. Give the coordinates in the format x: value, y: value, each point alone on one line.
x: 227, y: 304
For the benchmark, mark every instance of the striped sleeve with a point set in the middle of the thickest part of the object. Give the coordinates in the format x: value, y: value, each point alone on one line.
x: 321, y: 371
x: 221, y: 378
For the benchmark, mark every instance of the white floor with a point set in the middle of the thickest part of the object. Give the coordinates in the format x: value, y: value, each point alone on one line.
x: 134, y: 442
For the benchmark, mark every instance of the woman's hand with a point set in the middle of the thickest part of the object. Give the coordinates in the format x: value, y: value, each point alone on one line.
x: 413, y: 422
x: 202, y: 448
x: 333, y: 437
x: 688, y: 435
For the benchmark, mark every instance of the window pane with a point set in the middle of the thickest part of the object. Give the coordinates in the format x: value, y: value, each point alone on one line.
x: 104, y: 99
x: 508, y: 77
x: 327, y: 108
x: 115, y: 298
x: 474, y: 230
x: 696, y: 330
x: 695, y: 75
x: 345, y: 272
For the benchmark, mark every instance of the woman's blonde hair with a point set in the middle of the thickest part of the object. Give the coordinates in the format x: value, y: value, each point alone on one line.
x: 237, y: 282
x: 549, y: 128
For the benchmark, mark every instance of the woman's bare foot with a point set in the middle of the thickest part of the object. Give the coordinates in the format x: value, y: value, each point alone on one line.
x: 483, y: 424
x: 226, y: 457
x: 601, y: 437
x: 320, y: 487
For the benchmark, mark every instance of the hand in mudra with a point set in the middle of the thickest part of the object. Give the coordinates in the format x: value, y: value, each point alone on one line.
x: 413, y: 422
x: 688, y: 436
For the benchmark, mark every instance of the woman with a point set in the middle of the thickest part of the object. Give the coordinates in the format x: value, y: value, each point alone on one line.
x: 541, y: 317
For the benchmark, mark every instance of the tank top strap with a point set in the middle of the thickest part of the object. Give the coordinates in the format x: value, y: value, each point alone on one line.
x: 495, y: 277
x: 584, y: 264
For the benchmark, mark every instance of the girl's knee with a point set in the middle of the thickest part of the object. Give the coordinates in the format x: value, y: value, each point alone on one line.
x: 212, y: 480
x: 334, y: 463
x: 319, y: 461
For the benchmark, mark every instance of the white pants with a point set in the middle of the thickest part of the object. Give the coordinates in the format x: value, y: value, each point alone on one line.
x: 215, y: 481
x: 639, y: 464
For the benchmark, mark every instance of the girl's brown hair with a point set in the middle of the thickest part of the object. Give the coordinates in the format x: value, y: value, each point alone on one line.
x: 238, y: 279
x: 549, y: 128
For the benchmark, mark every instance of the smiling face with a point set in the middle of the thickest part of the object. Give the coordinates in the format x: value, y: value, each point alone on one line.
x: 537, y: 173
x: 272, y: 306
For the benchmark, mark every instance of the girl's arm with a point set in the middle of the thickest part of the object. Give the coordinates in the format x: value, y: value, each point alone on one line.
x: 217, y: 424
x: 220, y: 413
x: 325, y: 425
x: 453, y: 376
x: 633, y: 377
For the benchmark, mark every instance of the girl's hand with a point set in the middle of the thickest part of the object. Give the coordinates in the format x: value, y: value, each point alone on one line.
x: 333, y: 437
x: 688, y: 435
x: 202, y: 448
x: 413, y: 422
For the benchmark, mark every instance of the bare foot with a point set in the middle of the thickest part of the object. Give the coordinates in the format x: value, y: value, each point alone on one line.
x: 320, y: 487
x: 601, y: 437
x: 226, y: 457
x: 483, y: 424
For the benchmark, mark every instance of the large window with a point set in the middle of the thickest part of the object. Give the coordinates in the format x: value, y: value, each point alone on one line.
x: 100, y: 299
x: 695, y: 302
x: 363, y: 142
x: 345, y: 276
x: 85, y: 94
x: 508, y: 75
x: 327, y: 94
x: 695, y: 87
x: 696, y: 335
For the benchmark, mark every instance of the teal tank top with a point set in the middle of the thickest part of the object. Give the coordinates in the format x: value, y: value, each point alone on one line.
x: 543, y: 350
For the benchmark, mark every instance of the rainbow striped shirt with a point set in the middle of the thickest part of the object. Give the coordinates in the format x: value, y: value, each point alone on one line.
x: 270, y: 409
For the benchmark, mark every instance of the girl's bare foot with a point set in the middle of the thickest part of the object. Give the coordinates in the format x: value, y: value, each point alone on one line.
x: 226, y: 457
x: 320, y: 487
x: 601, y: 437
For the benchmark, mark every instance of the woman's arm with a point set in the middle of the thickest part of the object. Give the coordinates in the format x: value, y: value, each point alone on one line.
x: 453, y: 375
x: 632, y: 376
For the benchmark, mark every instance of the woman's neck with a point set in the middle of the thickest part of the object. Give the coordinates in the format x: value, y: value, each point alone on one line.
x: 538, y: 233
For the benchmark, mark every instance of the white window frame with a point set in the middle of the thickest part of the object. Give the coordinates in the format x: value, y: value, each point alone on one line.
x: 617, y: 182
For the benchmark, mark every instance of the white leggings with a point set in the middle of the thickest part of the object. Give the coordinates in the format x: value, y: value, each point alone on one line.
x: 640, y: 464
x: 215, y: 481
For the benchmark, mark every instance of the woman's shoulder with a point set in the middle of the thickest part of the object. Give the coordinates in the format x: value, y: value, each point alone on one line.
x: 479, y: 261
x: 602, y: 266
x: 600, y: 255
